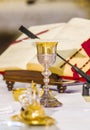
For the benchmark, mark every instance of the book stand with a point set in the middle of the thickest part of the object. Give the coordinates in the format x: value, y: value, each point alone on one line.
x: 26, y: 76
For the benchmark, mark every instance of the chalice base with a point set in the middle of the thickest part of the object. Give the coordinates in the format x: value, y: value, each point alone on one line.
x: 49, y: 101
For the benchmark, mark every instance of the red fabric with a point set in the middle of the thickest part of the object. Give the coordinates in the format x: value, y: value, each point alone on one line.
x: 78, y: 78
x: 2, y: 73
x: 86, y: 47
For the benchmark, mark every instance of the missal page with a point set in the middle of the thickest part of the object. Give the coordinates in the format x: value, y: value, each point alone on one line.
x: 74, y: 33
x: 17, y: 56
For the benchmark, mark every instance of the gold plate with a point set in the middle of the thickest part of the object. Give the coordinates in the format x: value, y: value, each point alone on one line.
x: 46, y: 120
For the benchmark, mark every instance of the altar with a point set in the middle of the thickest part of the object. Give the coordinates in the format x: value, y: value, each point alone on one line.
x: 74, y: 114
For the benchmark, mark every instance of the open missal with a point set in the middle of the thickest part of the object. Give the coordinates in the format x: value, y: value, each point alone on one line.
x: 73, y: 45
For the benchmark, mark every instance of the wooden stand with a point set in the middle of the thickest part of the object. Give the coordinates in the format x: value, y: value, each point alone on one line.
x: 26, y: 76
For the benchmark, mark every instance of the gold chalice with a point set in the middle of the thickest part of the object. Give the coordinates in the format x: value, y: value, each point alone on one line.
x: 46, y: 54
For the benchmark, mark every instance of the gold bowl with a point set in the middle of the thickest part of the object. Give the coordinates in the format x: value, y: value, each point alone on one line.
x: 17, y: 92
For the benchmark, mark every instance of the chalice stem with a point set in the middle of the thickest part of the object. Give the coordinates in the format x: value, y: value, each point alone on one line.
x: 46, y: 73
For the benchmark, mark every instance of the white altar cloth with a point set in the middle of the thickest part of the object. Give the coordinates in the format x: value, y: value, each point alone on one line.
x: 73, y: 115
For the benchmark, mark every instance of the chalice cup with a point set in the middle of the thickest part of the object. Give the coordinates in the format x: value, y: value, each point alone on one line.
x: 46, y: 54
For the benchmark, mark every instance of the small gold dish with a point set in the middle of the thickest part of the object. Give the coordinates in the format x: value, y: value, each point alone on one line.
x: 46, y: 120
x: 17, y: 92
x: 33, y: 114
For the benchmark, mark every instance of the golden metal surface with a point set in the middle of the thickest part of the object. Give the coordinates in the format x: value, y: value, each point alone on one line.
x: 46, y: 47
x: 33, y: 115
x: 17, y: 92
x: 46, y: 120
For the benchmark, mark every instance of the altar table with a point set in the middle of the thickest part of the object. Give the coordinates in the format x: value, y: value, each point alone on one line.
x: 74, y: 114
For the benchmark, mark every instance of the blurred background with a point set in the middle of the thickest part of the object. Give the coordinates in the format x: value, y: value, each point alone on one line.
x: 14, y: 13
